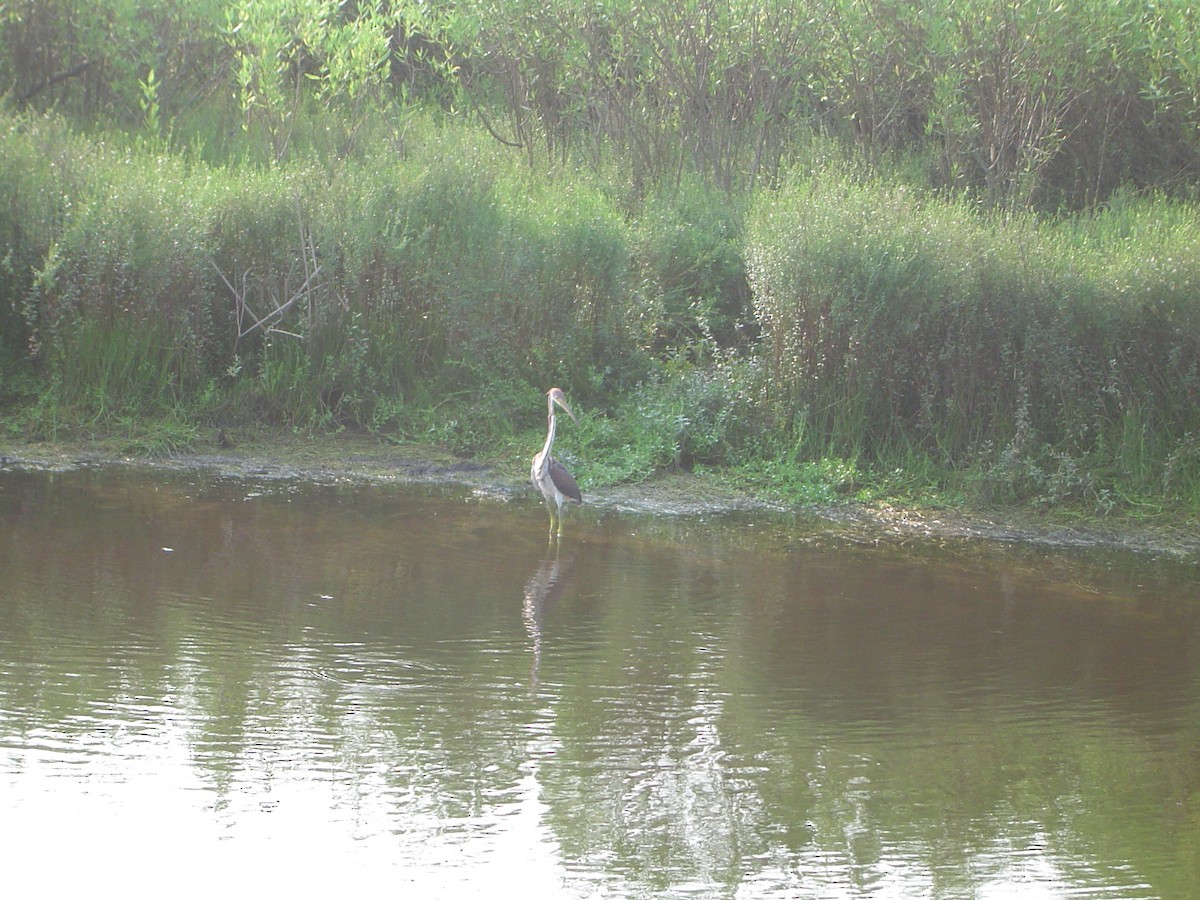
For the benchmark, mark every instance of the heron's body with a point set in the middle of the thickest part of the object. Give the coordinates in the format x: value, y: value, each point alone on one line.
x: 548, y: 474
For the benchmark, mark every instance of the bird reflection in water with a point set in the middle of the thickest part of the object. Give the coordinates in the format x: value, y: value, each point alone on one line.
x: 542, y: 588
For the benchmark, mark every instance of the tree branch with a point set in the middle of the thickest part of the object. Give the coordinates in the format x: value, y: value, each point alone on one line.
x: 76, y: 69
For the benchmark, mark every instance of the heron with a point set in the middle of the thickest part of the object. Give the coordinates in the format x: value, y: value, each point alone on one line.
x: 547, y: 473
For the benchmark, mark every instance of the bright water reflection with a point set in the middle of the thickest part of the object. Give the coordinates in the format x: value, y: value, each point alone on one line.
x: 216, y: 683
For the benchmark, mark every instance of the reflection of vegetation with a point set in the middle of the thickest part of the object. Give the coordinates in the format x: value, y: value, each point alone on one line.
x: 707, y: 709
x: 792, y: 728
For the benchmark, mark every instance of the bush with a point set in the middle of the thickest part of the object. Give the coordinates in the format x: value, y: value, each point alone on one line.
x: 691, y: 275
x: 893, y: 321
x: 306, y: 294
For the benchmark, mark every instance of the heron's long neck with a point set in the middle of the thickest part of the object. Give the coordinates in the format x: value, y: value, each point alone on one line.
x: 549, y: 438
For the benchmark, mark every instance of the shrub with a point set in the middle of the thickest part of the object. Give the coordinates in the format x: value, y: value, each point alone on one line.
x: 1061, y: 355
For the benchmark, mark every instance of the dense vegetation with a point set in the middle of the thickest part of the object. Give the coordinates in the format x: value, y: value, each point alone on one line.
x: 836, y: 246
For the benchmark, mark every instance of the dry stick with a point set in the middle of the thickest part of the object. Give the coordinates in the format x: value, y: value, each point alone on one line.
x: 264, y: 322
x: 279, y: 311
x: 308, y: 253
x: 239, y: 302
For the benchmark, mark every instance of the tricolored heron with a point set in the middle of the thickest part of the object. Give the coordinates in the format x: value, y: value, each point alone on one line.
x: 547, y: 473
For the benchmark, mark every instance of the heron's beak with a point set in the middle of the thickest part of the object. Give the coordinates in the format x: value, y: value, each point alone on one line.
x: 562, y: 401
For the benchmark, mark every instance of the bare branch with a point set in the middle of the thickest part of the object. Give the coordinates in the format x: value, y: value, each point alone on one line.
x: 78, y: 69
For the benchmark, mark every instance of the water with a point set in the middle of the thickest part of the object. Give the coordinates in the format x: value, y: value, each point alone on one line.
x: 210, y: 684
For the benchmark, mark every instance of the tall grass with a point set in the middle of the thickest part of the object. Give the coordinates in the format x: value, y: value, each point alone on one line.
x: 41, y: 170
x: 459, y: 271
x: 1051, y: 360
x: 379, y: 283
x: 691, y: 276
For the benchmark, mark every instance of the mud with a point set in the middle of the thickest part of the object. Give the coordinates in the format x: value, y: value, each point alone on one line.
x: 356, y: 458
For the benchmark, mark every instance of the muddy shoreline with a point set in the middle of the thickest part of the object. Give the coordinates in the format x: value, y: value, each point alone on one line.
x: 365, y: 459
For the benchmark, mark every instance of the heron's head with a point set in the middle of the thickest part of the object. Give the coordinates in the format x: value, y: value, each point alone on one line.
x: 557, y: 396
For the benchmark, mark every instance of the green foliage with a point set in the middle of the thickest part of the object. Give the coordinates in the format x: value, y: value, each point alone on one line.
x: 308, y: 297
x: 1028, y: 102
x: 117, y: 309
x: 692, y: 280
x: 1055, y: 362
x: 685, y: 418
x: 292, y: 52
x: 704, y: 86
x: 480, y: 273
x: 92, y: 61
x: 36, y: 169
x: 825, y: 248
x: 469, y: 423
x: 849, y: 279
x: 822, y: 482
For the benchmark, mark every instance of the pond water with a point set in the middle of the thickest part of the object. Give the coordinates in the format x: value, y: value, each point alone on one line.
x: 212, y: 683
